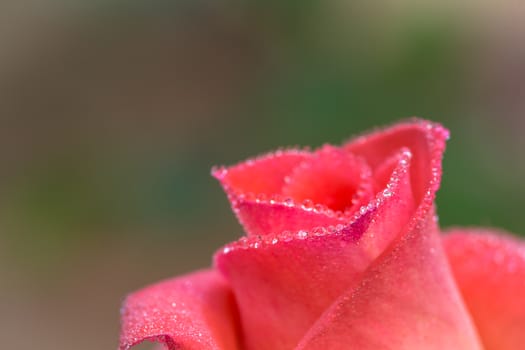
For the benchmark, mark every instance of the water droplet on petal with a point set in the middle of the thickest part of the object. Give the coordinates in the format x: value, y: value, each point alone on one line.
x: 243, y: 241
x: 308, y: 204
x: 302, y: 234
x: 288, y: 202
x: 318, y: 208
x: 287, y: 237
x: 277, y: 198
x: 261, y: 198
x: 317, y: 231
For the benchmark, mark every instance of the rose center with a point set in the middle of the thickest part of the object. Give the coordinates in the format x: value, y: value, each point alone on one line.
x: 332, y: 177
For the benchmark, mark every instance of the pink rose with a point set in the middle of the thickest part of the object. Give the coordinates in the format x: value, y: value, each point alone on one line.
x: 342, y: 251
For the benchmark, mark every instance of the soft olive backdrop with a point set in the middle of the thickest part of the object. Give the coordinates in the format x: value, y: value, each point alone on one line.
x: 113, y: 112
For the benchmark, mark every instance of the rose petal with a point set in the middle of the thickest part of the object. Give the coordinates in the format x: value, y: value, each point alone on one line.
x: 426, y: 140
x: 266, y: 217
x: 262, y: 175
x: 283, y: 283
x: 195, y: 311
x: 407, y: 300
x: 255, y: 188
x: 489, y: 268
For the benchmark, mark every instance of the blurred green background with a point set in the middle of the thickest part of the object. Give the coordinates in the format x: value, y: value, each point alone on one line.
x: 113, y: 113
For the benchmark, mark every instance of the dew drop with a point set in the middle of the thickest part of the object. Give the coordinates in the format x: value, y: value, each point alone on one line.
x: 317, y: 231
x: 287, y: 237
x: 318, y: 208
x: 288, y: 202
x: 308, y: 204
x: 220, y: 171
x: 302, y: 234
x: 261, y: 198
x: 277, y: 198
x: 243, y: 241
x: 329, y: 213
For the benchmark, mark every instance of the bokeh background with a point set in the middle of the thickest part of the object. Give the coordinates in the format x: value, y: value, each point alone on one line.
x: 113, y: 112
